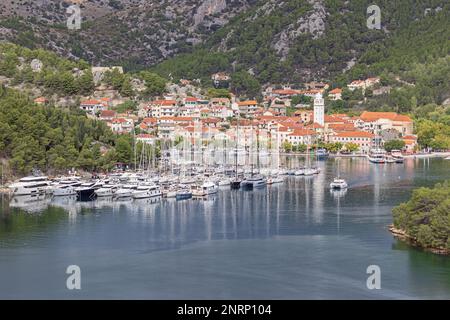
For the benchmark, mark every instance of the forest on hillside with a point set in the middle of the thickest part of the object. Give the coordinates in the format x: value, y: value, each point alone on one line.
x: 55, y: 139
x: 426, y: 217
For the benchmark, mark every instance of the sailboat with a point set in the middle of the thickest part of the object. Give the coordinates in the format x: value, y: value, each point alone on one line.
x: 236, y: 181
x: 338, y: 183
x: 309, y: 171
x: 255, y: 180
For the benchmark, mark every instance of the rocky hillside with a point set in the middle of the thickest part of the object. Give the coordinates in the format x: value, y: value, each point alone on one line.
x: 135, y: 33
x: 268, y: 40
x: 297, y: 40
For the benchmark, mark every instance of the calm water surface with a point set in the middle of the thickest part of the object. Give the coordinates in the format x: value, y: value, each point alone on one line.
x: 290, y: 241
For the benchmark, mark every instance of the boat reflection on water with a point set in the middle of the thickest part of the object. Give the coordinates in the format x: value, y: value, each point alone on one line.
x: 146, y: 201
x: 338, y: 193
x: 31, y: 203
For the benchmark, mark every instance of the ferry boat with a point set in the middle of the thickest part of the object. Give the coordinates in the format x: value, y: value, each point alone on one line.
x: 255, y: 181
x: 31, y: 186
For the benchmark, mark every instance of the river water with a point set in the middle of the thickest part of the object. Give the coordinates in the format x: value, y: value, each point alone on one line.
x: 292, y: 241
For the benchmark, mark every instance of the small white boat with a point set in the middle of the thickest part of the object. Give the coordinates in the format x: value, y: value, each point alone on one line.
x: 299, y: 172
x: 339, y: 184
x: 389, y: 159
x: 310, y: 172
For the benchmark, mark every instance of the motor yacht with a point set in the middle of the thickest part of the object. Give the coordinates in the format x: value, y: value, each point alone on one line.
x: 66, y: 188
x: 107, y: 190
x: 126, y: 191
x: 146, y: 191
x: 31, y: 185
x: 205, y: 189
x: 255, y: 181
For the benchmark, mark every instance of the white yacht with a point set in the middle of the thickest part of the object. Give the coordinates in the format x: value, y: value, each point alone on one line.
x: 107, y: 190
x: 205, y: 189
x: 31, y: 186
x: 300, y: 172
x: 377, y: 156
x: 66, y: 188
x: 146, y: 191
x: 338, y: 184
x: 255, y: 181
x: 397, y: 155
x: 126, y: 191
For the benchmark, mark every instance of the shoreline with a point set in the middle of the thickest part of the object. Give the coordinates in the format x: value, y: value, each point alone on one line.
x: 403, y: 236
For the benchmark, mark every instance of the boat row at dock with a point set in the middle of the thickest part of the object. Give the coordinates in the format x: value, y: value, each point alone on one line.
x: 137, y: 185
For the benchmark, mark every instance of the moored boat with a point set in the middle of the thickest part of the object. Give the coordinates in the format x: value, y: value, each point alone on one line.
x: 338, y: 184
x: 31, y: 186
x: 255, y: 181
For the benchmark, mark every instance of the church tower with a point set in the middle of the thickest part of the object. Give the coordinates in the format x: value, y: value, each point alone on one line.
x: 319, y: 110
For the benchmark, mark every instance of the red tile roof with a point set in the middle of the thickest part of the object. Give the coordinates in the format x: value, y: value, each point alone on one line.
x: 302, y: 132
x: 247, y: 103
x: 355, y: 134
x: 336, y: 91
x: 107, y: 113
x: 90, y: 102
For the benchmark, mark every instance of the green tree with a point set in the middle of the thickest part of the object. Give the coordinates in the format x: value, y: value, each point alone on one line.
x: 124, y: 150
x: 351, y: 147
x: 394, y: 145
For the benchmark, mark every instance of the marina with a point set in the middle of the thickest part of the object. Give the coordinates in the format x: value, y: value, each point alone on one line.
x: 280, y: 241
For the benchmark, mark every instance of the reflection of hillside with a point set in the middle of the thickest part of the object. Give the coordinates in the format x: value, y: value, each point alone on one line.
x: 18, y: 223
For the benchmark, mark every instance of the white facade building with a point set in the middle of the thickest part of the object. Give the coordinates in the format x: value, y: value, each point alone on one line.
x: 319, y: 110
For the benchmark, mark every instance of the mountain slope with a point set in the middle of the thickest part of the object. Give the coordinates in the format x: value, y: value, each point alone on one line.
x: 301, y: 40
x: 149, y: 30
